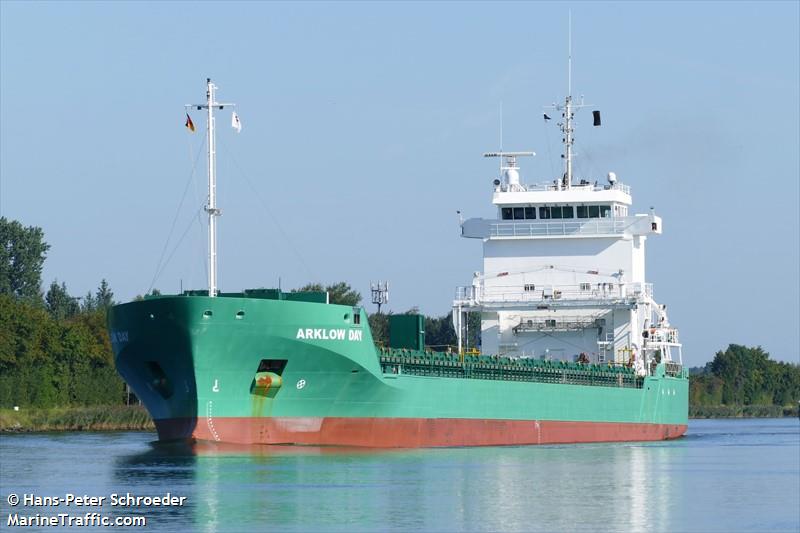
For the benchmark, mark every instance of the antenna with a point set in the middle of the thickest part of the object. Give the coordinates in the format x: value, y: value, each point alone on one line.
x: 509, y: 158
x: 569, y: 55
x: 380, y: 293
x: 501, y: 125
x: 211, y: 208
x: 567, y: 114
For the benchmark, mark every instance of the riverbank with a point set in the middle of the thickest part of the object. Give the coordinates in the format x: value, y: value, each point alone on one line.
x: 742, y: 411
x: 93, y: 418
x: 135, y: 417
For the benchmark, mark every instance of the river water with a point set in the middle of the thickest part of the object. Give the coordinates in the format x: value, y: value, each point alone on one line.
x: 725, y: 475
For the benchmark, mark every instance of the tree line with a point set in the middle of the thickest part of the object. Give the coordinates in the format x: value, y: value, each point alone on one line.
x: 742, y: 376
x: 54, y: 347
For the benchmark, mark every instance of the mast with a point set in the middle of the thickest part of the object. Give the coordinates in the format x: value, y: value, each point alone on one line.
x: 567, y: 127
x: 211, y: 208
x: 567, y: 114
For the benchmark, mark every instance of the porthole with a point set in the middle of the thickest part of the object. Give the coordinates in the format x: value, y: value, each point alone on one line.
x: 207, y: 313
x: 346, y: 317
x: 239, y: 315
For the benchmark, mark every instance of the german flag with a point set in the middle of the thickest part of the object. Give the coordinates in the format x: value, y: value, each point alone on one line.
x: 189, y: 124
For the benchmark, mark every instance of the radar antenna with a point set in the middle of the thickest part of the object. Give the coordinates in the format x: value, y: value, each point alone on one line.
x: 509, y: 170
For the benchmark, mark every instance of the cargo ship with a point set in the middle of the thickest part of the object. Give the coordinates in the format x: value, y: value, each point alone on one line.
x: 573, y: 348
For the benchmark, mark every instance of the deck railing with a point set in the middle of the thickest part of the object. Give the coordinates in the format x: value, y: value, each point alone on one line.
x: 550, y: 186
x: 506, y: 369
x: 597, y: 292
x: 594, y: 226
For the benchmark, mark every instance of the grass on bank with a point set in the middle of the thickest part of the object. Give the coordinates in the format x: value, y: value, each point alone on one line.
x: 742, y: 411
x: 135, y: 417
x: 92, y: 418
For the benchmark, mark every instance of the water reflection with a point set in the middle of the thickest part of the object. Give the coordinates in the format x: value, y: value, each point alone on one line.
x: 620, y: 486
x: 155, y: 472
x: 724, y: 476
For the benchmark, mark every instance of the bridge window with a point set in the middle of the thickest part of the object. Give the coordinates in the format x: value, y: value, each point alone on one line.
x: 518, y: 213
x: 530, y: 287
x: 555, y: 211
x: 591, y: 211
x: 567, y: 212
x: 544, y: 212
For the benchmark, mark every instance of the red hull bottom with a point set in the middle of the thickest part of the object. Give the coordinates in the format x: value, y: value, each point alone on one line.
x: 407, y: 432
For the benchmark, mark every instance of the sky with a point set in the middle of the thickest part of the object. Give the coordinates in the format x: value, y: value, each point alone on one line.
x: 363, y: 129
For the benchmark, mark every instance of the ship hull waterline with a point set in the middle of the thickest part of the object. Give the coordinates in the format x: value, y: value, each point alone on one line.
x: 407, y: 432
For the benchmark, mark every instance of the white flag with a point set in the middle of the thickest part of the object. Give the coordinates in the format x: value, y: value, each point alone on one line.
x: 235, y: 123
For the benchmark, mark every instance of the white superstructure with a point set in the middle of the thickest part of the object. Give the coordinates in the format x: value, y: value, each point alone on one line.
x: 564, y: 271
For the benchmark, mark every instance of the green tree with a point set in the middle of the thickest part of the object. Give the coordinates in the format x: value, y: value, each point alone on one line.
x: 440, y: 332
x: 339, y: 293
x: 88, y: 303
x: 104, y: 298
x: 46, y: 362
x: 22, y: 254
x: 379, y: 325
x: 54, y: 354
x: 59, y: 303
x: 745, y: 376
x: 139, y: 297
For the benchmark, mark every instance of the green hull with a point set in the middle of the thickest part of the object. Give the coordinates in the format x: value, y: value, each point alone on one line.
x: 254, y: 370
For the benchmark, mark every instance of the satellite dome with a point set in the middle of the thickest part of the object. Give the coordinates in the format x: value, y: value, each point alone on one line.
x: 612, y: 177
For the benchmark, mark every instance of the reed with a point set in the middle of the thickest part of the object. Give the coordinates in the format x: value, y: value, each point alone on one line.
x: 90, y: 418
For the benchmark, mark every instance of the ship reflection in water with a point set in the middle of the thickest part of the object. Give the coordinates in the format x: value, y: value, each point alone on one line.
x: 725, y: 475
x: 567, y: 488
